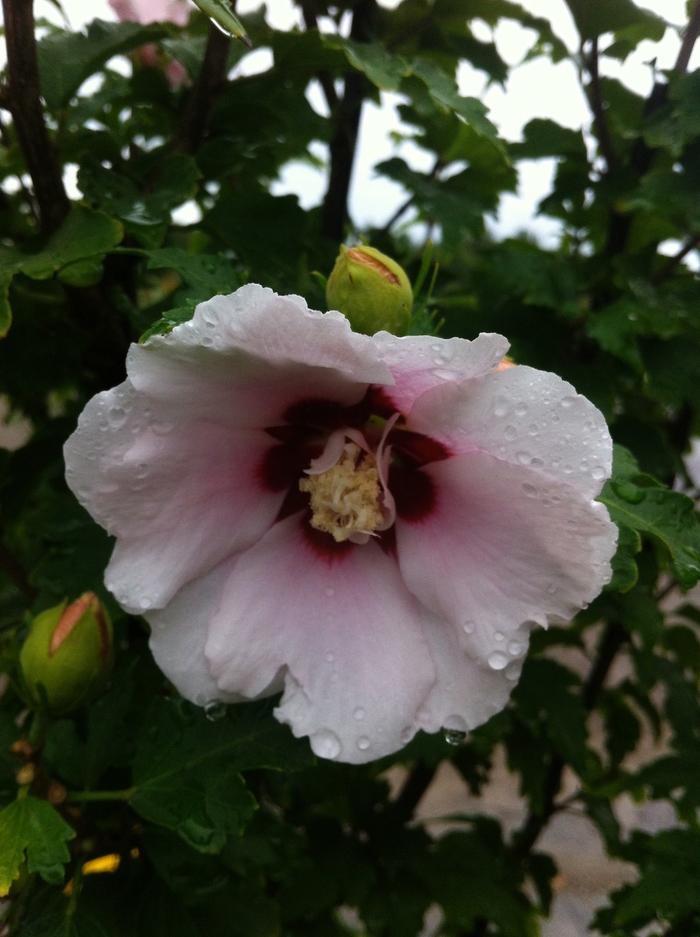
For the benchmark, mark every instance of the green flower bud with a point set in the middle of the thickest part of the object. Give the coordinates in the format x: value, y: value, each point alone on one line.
x: 371, y: 289
x: 67, y: 655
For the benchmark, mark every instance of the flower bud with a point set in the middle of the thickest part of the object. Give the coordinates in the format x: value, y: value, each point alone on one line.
x: 67, y: 655
x: 371, y: 289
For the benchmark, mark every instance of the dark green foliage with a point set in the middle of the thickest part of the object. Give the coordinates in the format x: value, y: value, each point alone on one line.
x: 226, y: 826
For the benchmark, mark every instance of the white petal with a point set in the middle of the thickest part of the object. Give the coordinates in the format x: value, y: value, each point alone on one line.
x: 251, y: 355
x: 344, y: 628
x: 468, y: 691
x: 179, y: 633
x: 523, y: 416
x: 419, y: 362
x: 179, y: 493
x: 503, y: 546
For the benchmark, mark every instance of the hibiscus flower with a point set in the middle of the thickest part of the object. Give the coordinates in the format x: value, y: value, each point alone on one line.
x: 371, y: 525
x: 156, y: 11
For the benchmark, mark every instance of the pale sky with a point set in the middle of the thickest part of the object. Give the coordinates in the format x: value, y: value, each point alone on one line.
x: 535, y: 89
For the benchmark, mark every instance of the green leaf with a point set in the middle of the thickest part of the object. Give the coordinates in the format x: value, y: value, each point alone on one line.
x: 387, y: 70
x: 221, y: 13
x: 669, y: 884
x: 66, y: 59
x: 546, y: 700
x: 638, y: 501
x: 543, y: 138
x: 32, y: 829
x: 595, y: 17
x: 187, y: 769
x: 205, y: 275
x: 84, y: 233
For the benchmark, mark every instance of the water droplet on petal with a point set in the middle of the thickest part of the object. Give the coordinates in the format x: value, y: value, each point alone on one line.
x: 499, y: 636
x: 598, y: 473
x: 363, y: 743
x: 214, y: 710
x: 516, y: 648
x: 529, y: 490
x: 325, y: 744
x: 329, y: 657
x: 498, y: 660
x: 510, y: 432
x: 468, y: 627
x: 116, y: 417
x: 522, y: 457
x: 501, y: 407
x: 521, y: 409
x: 567, y: 401
x: 358, y: 714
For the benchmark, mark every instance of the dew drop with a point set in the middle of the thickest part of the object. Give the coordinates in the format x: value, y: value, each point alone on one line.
x: 453, y: 738
x: 214, y: 710
x: 516, y: 648
x: 510, y: 432
x: 358, y: 714
x: 536, y: 463
x: 330, y: 657
x: 529, y: 490
x: 116, y: 417
x: 498, y: 660
x: 325, y: 744
x: 500, y: 408
x: 598, y: 473
x: 468, y: 627
x: 363, y: 743
x: 521, y: 409
x: 567, y: 402
x: 499, y: 636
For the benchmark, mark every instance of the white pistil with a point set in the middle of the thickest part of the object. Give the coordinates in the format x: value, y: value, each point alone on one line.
x: 346, y: 500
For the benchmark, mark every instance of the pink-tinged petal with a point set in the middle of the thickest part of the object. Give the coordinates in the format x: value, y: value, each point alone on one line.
x: 419, y: 362
x: 179, y: 493
x: 179, y: 633
x: 501, y: 546
x: 342, y: 628
x: 152, y: 11
x: 253, y: 354
x: 522, y: 416
x: 468, y: 691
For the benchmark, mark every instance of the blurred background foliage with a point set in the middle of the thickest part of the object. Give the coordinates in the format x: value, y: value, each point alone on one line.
x: 220, y: 823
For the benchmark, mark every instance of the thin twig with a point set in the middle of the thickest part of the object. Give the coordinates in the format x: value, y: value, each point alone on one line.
x: 597, y: 104
x: 672, y: 262
x: 24, y: 101
x: 211, y: 78
x: 689, y: 39
x: 343, y: 143
x: 324, y: 79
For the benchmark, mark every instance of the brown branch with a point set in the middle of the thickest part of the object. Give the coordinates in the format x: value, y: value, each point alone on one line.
x: 211, y: 78
x: 324, y: 79
x: 670, y: 264
x: 414, y: 787
x: 611, y: 641
x: 24, y: 101
x: 690, y: 36
x: 343, y: 143
x: 595, y: 99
